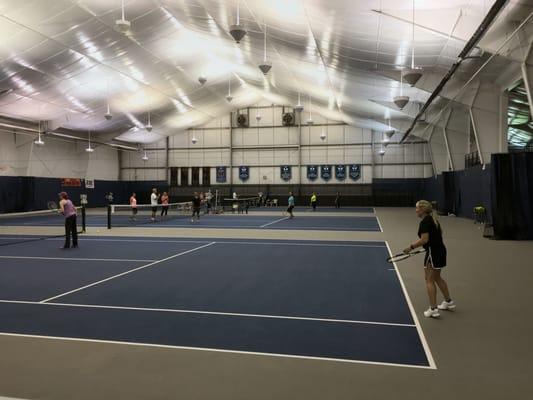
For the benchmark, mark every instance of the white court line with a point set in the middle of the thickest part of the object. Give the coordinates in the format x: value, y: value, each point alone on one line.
x: 254, y: 353
x: 274, y: 222
x: 230, y: 314
x: 127, y: 272
x: 413, y: 314
x: 273, y: 242
x: 76, y: 259
x: 379, y: 223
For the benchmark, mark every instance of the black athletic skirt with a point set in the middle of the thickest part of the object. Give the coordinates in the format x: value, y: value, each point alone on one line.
x: 435, y: 257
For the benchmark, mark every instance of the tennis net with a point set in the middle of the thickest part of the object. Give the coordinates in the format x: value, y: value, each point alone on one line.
x: 123, y: 215
x: 241, y: 205
x: 53, y: 220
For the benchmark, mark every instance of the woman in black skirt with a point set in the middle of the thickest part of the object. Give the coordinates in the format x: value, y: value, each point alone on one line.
x: 430, y: 237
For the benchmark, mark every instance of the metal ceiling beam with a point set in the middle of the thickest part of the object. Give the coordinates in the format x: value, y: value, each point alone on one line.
x: 476, y: 37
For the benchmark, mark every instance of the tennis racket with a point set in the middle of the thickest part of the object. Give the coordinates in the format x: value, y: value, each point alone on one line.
x: 403, y: 256
x: 52, y: 205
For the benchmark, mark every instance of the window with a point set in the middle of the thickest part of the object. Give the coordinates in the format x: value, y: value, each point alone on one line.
x: 184, y: 176
x: 173, y: 176
x: 195, y: 176
x: 206, y: 176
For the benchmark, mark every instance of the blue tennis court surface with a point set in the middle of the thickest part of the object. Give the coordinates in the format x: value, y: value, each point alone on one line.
x: 325, y: 300
x: 224, y: 221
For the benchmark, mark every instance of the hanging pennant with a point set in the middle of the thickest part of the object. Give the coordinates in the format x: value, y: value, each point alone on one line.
x: 286, y: 172
x: 312, y: 172
x: 355, y: 172
x: 221, y: 174
x: 244, y: 173
x: 325, y: 172
x: 340, y: 172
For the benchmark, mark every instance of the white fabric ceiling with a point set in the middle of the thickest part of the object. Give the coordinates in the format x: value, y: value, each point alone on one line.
x: 62, y: 60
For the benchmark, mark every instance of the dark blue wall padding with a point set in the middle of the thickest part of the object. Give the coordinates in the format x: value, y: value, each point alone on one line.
x: 18, y: 194
x: 512, y: 196
x: 458, y: 192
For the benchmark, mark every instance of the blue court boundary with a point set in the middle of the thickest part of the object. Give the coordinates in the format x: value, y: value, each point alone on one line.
x: 366, y: 243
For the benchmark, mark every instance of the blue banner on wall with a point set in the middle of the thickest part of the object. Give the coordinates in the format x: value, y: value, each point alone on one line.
x: 355, y: 171
x: 286, y: 172
x: 244, y: 173
x: 312, y: 172
x: 325, y: 172
x: 340, y: 172
x: 221, y: 174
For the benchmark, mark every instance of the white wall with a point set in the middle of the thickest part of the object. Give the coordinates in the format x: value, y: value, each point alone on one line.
x: 266, y: 145
x: 19, y: 156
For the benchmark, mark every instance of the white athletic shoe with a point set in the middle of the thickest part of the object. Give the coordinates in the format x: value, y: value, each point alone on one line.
x: 432, y: 313
x: 446, y: 305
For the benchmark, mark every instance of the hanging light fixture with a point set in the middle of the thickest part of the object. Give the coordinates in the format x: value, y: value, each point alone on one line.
x: 202, y: 79
x: 122, y: 25
x: 237, y: 31
x: 382, y: 151
x: 145, y: 156
x: 89, y: 149
x: 266, y: 65
x: 413, y: 74
x: 401, y: 100
x: 194, y: 140
x: 323, y: 135
x: 299, y: 107
x: 39, y: 142
x: 310, y: 119
x: 389, y: 132
x: 257, y: 115
x: 229, y: 97
x: 108, y: 114
x: 149, y: 126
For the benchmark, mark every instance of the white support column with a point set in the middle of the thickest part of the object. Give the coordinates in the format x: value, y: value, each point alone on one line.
x: 485, y: 114
x: 527, y: 75
x: 179, y: 176
x: 201, y: 176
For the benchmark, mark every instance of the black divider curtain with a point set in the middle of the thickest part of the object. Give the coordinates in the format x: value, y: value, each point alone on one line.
x: 512, y: 196
x: 451, y: 194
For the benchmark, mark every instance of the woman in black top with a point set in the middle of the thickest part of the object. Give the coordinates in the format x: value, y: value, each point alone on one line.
x: 430, y: 237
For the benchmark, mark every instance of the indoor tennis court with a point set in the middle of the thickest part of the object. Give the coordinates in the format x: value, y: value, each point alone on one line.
x: 282, y: 199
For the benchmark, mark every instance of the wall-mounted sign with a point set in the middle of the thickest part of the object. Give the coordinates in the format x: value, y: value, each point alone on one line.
x: 71, y: 182
x: 89, y: 183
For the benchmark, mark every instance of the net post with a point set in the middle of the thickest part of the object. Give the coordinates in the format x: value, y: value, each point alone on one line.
x: 109, y: 216
x: 83, y: 219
